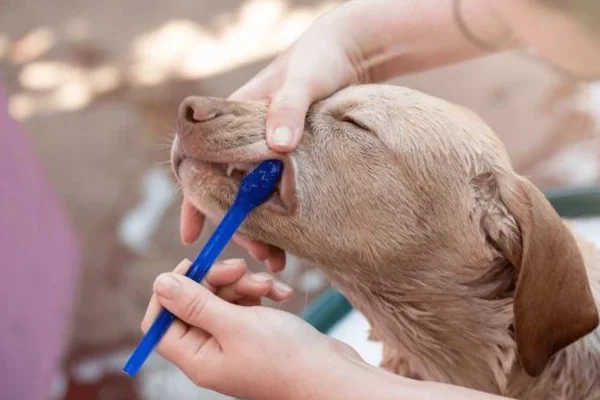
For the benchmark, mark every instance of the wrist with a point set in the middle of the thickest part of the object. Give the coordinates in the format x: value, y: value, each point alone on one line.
x: 394, y: 38
x: 342, y: 377
x: 352, y: 379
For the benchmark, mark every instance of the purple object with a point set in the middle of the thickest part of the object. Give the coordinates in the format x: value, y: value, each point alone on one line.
x: 39, y: 260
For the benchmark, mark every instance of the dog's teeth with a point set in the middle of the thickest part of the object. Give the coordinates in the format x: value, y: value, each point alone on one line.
x: 244, y: 167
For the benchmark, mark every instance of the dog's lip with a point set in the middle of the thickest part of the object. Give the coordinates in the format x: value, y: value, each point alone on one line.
x: 286, y: 185
x: 176, y: 162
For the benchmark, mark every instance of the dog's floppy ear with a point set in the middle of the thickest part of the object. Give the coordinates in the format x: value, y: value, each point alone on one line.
x: 553, y: 304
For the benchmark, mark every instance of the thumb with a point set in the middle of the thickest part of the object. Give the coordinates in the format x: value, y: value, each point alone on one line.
x: 285, y: 118
x: 191, y: 222
x: 194, y: 304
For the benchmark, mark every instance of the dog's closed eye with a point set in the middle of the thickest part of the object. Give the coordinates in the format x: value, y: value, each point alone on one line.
x: 354, y: 121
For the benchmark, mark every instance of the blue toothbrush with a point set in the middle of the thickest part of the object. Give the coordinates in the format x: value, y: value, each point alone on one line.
x: 254, y: 190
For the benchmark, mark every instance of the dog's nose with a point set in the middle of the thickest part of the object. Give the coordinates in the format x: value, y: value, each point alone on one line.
x: 197, y: 109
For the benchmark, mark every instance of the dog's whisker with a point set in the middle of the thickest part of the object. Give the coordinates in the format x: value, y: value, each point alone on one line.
x: 177, y: 190
x: 305, y: 298
x: 163, y: 145
x: 167, y: 127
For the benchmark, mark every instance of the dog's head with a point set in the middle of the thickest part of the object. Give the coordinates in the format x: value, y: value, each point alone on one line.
x: 389, y: 177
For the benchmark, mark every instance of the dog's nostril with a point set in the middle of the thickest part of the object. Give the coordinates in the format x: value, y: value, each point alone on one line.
x: 195, y: 110
x: 193, y: 116
x: 189, y: 115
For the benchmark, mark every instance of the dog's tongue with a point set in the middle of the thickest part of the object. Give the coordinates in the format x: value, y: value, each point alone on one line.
x: 191, y: 225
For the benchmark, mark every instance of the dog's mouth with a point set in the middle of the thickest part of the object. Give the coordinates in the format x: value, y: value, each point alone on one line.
x: 283, y: 199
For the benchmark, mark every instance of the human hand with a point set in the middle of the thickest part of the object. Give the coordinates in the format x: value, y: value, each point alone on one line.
x: 323, y: 60
x: 249, y: 352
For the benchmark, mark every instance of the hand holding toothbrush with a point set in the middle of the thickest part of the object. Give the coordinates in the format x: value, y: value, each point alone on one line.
x: 225, y: 341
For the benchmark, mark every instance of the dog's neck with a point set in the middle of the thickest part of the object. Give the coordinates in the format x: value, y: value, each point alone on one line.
x: 442, y: 330
x: 436, y: 329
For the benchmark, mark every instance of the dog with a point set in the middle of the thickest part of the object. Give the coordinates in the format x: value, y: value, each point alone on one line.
x: 410, y: 205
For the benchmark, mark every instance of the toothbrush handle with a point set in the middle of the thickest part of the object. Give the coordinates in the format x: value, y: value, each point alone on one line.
x: 197, y: 271
x: 217, y: 242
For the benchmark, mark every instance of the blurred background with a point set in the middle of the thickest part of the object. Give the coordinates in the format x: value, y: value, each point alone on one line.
x: 91, y: 91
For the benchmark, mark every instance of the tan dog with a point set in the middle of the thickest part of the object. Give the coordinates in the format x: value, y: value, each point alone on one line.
x: 410, y: 205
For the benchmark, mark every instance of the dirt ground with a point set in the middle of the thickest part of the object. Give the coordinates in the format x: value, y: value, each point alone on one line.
x: 96, y: 86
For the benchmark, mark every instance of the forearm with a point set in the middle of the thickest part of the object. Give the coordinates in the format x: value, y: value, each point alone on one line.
x: 396, y: 37
x: 356, y: 380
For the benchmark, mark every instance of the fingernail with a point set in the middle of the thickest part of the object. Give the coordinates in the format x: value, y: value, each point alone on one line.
x: 282, y: 136
x: 282, y: 287
x: 261, y: 278
x: 165, y: 285
x: 233, y: 261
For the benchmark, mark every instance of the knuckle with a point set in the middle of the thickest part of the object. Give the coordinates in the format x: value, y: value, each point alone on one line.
x: 285, y: 103
x: 288, y: 107
x: 235, y: 292
x: 290, y: 100
x: 194, y: 308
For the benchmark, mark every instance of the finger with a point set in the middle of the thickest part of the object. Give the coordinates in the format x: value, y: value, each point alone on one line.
x: 195, y: 304
x: 285, y: 118
x: 226, y: 272
x: 273, y: 256
x: 248, y: 302
x: 191, y: 222
x: 183, y: 266
x: 259, y: 87
x: 250, y: 286
x: 180, y: 339
x: 180, y: 342
x: 280, y: 292
x: 259, y: 251
x: 153, y: 306
x: 255, y: 89
x: 276, y: 259
x: 253, y: 287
